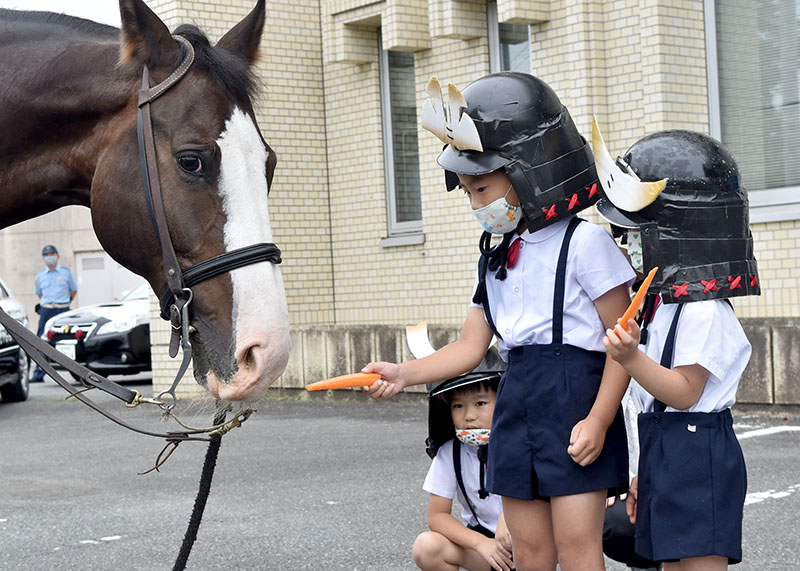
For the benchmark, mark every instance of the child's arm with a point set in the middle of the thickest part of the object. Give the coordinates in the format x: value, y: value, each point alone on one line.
x: 679, y: 387
x: 588, y: 435
x: 460, y: 356
x: 441, y: 521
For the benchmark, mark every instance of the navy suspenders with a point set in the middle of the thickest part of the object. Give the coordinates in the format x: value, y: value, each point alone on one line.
x: 668, y: 353
x: 560, y: 284
x: 460, y: 479
x: 561, y: 278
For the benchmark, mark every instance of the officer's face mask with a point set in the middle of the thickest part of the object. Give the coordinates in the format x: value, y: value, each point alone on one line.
x: 500, y: 216
x: 634, y: 246
x: 50, y: 260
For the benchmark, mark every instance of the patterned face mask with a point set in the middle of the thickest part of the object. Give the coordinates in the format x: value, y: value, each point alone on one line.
x: 473, y: 436
x: 634, y: 245
x: 499, y: 217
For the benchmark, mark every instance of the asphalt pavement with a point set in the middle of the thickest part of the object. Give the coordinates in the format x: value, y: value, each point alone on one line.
x: 302, y: 485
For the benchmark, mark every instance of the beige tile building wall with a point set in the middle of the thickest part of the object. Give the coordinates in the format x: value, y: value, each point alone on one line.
x: 639, y: 65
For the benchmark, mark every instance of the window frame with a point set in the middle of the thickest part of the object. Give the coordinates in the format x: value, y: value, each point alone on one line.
x: 766, y: 205
x: 493, y: 36
x: 399, y: 233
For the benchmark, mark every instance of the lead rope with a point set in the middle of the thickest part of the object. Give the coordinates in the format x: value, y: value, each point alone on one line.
x: 206, y: 476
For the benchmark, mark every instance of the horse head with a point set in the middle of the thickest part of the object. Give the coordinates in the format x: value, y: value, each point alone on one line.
x: 215, y: 170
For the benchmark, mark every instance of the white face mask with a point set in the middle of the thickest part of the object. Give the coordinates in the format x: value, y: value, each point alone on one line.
x: 50, y: 260
x: 473, y: 436
x: 634, y: 246
x: 499, y: 217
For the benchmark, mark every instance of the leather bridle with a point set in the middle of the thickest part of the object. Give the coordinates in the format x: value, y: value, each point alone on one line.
x: 177, y: 294
x: 174, y: 300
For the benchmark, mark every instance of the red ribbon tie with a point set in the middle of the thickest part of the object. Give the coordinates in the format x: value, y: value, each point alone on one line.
x: 513, y: 254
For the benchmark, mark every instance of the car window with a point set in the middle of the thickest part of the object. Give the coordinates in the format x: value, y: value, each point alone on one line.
x: 142, y: 291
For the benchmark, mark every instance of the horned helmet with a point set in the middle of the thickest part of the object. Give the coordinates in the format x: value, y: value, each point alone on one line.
x: 515, y: 122
x: 683, y: 191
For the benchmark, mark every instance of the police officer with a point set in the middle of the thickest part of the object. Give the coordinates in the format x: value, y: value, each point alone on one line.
x: 56, y: 288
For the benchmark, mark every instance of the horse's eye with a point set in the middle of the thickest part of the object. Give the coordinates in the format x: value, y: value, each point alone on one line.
x: 191, y: 164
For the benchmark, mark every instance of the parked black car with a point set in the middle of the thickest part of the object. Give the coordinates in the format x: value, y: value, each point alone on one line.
x: 13, y: 360
x: 108, y: 338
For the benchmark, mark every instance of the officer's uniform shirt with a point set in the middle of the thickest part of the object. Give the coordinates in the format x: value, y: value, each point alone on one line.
x: 709, y: 335
x: 522, y: 304
x: 441, y: 481
x: 56, y: 285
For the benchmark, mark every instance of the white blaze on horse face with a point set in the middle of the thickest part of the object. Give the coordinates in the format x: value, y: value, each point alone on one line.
x: 260, y: 315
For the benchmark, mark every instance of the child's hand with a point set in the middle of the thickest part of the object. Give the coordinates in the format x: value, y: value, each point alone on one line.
x: 390, y: 382
x: 633, y: 498
x: 621, y: 344
x: 502, y: 534
x: 613, y: 500
x: 586, y: 441
x: 495, y: 554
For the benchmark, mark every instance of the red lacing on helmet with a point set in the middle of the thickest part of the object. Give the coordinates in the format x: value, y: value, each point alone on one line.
x: 753, y: 280
x: 736, y: 282
x: 573, y: 200
x: 681, y: 289
x: 710, y: 285
x: 592, y: 189
x: 550, y: 212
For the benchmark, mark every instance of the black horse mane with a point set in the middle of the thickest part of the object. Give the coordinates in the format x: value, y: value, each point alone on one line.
x: 231, y: 72
x: 71, y: 22
x: 226, y: 68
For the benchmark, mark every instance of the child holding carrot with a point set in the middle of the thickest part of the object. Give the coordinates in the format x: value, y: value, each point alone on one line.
x: 687, y: 501
x: 547, y: 291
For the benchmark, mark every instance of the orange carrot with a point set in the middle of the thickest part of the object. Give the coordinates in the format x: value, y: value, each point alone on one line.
x: 345, y: 382
x: 638, y: 300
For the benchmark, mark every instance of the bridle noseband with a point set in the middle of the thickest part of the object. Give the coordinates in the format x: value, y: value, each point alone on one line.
x: 177, y: 294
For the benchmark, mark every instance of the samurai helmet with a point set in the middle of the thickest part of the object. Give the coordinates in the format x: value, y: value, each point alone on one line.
x: 440, y: 420
x: 696, y: 230
x: 515, y: 122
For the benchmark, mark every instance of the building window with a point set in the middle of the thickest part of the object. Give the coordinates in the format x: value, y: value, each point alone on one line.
x: 400, y: 148
x: 509, y: 44
x: 754, y: 92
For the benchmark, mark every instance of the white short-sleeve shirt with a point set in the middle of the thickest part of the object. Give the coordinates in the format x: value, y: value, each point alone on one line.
x: 709, y: 335
x: 522, y: 304
x: 441, y: 480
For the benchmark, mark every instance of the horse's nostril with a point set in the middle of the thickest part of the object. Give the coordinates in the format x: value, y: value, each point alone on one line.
x: 248, y: 360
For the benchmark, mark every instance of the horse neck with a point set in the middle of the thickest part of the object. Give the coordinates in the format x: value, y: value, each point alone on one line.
x: 63, y: 107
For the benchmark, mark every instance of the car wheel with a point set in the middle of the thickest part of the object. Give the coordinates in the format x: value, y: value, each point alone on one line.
x: 19, y: 389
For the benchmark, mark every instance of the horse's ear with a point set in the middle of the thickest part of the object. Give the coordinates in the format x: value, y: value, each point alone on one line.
x: 243, y: 39
x: 145, y: 38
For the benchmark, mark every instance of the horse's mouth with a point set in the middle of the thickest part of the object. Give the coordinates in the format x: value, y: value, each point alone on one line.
x: 245, y: 376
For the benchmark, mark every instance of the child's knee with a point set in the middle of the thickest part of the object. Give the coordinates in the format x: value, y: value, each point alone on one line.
x: 533, y: 556
x: 428, y: 547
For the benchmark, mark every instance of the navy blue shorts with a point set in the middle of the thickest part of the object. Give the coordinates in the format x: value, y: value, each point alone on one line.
x: 545, y: 391
x: 692, y: 485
